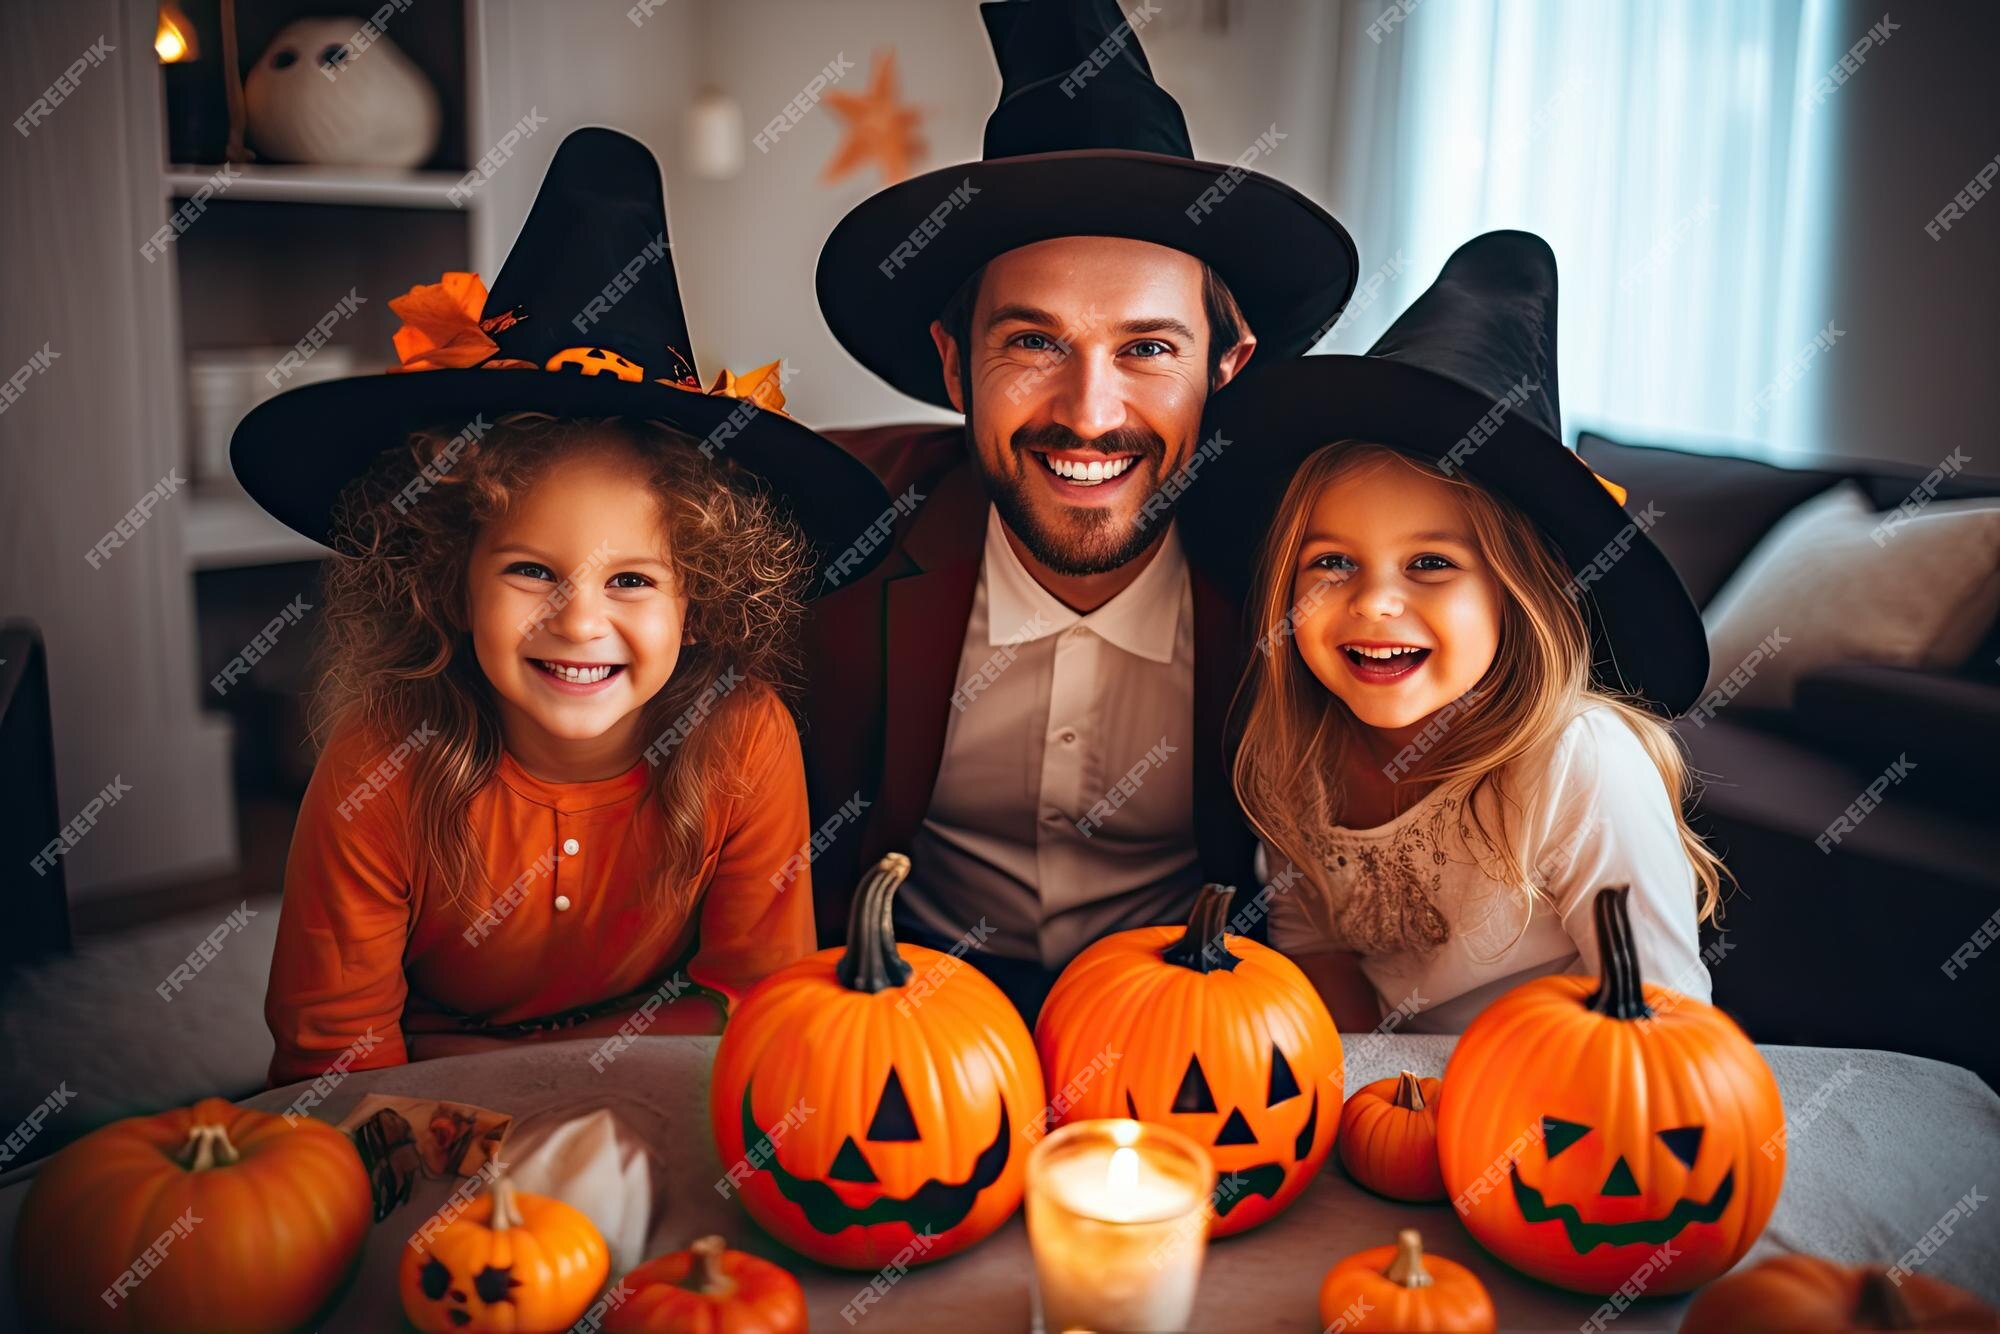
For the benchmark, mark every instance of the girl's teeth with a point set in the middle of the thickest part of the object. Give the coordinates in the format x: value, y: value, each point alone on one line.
x: 1096, y: 470
x: 582, y: 676
x: 1380, y: 652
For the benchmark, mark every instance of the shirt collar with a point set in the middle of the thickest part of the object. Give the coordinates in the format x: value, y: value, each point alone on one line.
x: 1143, y: 620
x: 571, y: 798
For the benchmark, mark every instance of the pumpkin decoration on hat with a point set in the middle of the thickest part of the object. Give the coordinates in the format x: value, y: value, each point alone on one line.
x: 205, y: 1217
x: 1804, y: 1294
x: 1218, y: 1037
x: 873, y: 1101
x: 1388, y: 1138
x: 709, y: 1289
x: 507, y: 1261
x: 1587, y: 1122
x: 1400, y: 1288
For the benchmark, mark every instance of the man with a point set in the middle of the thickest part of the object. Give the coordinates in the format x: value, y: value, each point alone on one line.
x: 1029, y: 695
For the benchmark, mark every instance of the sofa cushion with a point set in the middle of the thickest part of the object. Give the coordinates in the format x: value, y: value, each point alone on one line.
x: 1831, y: 584
x: 1714, y: 509
x: 1948, y: 726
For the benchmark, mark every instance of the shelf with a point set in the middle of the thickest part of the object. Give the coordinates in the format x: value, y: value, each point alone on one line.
x: 379, y: 187
x: 226, y: 529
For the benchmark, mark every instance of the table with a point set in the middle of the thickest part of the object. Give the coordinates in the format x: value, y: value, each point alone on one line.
x: 1881, y: 1145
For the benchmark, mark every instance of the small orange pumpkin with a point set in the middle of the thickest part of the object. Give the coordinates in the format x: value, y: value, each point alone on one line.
x: 508, y: 1261
x: 1803, y: 1294
x: 1400, y: 1288
x: 205, y: 1217
x: 709, y: 1289
x: 1388, y: 1138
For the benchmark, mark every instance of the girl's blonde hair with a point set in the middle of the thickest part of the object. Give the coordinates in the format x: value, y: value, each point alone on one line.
x: 396, y: 646
x: 1295, y: 732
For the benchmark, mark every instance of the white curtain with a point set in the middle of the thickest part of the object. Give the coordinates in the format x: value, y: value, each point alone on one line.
x: 1664, y: 148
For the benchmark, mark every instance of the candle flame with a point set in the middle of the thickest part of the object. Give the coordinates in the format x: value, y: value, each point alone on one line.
x: 1121, y: 1176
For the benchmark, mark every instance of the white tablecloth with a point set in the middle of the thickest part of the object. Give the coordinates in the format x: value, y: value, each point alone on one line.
x: 1881, y: 1147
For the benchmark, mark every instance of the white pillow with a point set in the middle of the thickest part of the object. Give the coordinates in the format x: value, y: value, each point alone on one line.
x: 1832, y: 582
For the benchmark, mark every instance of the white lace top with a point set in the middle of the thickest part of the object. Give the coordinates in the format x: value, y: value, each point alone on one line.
x: 1440, y: 936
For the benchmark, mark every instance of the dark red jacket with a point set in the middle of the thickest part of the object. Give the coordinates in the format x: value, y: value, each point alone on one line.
x: 881, y: 655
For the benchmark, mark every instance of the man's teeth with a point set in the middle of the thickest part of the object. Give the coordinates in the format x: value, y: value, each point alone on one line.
x: 582, y: 676
x: 1361, y: 652
x: 1097, y: 470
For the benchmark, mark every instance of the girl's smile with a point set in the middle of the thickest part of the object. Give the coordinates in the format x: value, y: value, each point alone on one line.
x: 1395, y: 611
x: 575, y: 617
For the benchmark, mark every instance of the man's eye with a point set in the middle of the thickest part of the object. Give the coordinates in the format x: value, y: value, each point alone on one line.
x: 1429, y: 563
x: 1035, y: 342
x: 1159, y: 349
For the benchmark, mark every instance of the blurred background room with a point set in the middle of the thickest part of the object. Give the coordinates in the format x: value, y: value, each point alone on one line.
x: 1780, y: 329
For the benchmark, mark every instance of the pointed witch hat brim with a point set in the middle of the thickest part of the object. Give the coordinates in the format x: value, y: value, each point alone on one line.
x: 584, y: 320
x: 1083, y: 142
x: 1465, y: 381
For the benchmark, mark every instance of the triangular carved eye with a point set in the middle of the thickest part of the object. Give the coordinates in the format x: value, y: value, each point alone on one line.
x: 893, y: 1120
x: 1235, y: 1130
x: 1194, y: 1095
x: 849, y: 1165
x: 1284, y: 1085
x: 1560, y: 1134
x: 1683, y: 1143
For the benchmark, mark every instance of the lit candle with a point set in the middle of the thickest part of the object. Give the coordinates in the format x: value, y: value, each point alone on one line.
x: 1118, y: 1216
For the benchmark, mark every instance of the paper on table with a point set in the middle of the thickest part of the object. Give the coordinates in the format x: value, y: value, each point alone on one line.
x: 595, y: 1163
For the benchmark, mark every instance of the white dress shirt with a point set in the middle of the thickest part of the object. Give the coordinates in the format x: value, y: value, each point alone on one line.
x: 1064, y: 803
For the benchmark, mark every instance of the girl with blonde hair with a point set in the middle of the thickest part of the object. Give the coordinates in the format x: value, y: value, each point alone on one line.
x: 1449, y: 735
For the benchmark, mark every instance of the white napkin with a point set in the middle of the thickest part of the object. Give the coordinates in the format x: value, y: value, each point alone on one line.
x: 596, y: 1164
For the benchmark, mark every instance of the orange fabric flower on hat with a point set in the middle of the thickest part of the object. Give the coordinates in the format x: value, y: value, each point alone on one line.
x: 441, y: 324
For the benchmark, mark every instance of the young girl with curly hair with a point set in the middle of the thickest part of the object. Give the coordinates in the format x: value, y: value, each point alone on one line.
x: 561, y: 792
x: 1449, y: 739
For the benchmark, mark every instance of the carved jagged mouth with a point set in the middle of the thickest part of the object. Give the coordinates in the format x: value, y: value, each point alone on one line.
x: 1266, y: 1179
x: 934, y: 1207
x: 1586, y: 1236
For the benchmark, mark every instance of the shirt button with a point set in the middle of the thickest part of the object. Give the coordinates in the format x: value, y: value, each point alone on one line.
x: 1068, y: 737
x: 562, y: 903
x: 570, y: 847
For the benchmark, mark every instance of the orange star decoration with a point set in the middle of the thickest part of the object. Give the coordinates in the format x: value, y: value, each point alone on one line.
x: 879, y: 128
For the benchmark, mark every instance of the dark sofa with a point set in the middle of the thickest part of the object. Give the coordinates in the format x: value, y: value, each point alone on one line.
x: 1847, y: 947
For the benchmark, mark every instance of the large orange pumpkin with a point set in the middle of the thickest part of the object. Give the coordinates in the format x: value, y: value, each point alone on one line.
x: 1585, y: 1123
x: 709, y: 1289
x: 508, y: 1260
x: 1212, y: 1034
x: 1803, y: 1294
x: 1388, y: 1138
x: 204, y: 1218
x: 1393, y: 1288
x: 876, y: 1102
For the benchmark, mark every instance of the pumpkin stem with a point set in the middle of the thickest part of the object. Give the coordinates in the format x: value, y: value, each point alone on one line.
x: 871, y: 962
x: 207, y: 1146
x: 1881, y: 1305
x: 1409, y: 1093
x: 1407, y: 1269
x: 1203, y: 946
x: 706, y: 1276
x: 1620, y: 995
x: 506, y: 1209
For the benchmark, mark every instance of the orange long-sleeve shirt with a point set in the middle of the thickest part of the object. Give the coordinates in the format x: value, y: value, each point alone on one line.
x: 367, y: 942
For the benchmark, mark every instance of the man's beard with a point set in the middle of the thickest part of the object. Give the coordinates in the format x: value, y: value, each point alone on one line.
x: 1083, y: 540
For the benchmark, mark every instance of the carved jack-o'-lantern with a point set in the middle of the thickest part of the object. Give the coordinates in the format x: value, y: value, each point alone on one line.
x: 595, y: 361
x: 1585, y: 1124
x: 1261, y: 1086
x: 869, y: 1103
x: 509, y: 1261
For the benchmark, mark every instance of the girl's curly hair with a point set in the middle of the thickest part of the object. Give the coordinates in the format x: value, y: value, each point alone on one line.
x: 396, y: 651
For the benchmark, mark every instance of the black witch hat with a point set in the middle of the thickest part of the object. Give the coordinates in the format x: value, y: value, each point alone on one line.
x: 1464, y: 380
x: 1083, y: 143
x: 584, y: 320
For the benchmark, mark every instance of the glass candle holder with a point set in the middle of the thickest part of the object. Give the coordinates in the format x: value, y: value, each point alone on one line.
x: 1118, y: 1215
